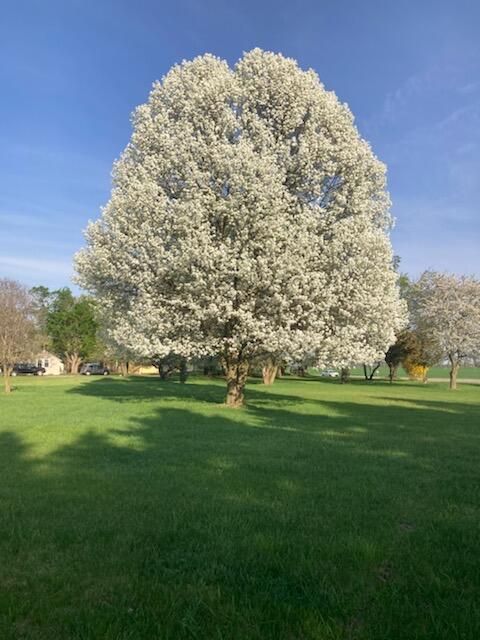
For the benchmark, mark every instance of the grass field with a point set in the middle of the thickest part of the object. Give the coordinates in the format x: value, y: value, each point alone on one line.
x: 465, y: 373
x: 137, y: 509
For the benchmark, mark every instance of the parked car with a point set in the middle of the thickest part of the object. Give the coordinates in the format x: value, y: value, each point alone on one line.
x: 27, y: 369
x: 329, y: 373
x: 94, y: 369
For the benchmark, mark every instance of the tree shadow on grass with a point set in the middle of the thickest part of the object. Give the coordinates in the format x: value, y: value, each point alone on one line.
x: 194, y: 521
x: 153, y: 389
x: 141, y: 388
x: 150, y: 389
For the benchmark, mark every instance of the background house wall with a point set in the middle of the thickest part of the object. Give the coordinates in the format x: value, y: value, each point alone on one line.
x: 52, y: 363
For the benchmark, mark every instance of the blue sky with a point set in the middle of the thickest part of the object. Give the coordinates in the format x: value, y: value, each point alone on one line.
x: 72, y: 71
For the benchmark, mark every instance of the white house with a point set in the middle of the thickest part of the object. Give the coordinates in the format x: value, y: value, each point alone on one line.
x: 52, y: 364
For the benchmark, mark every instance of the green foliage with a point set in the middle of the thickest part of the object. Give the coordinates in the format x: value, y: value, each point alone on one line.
x: 396, y: 353
x: 421, y: 348
x: 71, y: 324
x: 416, y: 350
x: 42, y: 298
x: 407, y: 344
x: 405, y: 285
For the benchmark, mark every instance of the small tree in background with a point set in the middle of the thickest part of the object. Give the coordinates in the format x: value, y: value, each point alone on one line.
x: 395, y: 355
x: 72, y: 328
x: 446, y: 307
x: 18, y: 334
x: 415, y: 348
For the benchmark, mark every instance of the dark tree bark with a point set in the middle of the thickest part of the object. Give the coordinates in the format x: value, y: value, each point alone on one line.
x: 183, y: 370
x: 369, y: 376
x: 236, y: 372
x: 164, y: 371
x: 392, y: 371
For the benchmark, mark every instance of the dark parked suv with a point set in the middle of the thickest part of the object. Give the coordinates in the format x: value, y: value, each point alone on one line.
x: 94, y: 369
x: 27, y: 368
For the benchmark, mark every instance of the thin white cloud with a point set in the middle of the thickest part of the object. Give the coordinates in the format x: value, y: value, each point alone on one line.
x: 458, y: 115
x: 396, y: 101
x: 448, y: 77
x: 15, y: 219
x: 36, y: 265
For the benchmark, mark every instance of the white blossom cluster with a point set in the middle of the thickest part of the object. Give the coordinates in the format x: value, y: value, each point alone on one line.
x: 448, y: 308
x: 247, y: 216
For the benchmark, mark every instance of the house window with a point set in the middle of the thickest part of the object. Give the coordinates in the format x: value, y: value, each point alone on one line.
x: 46, y: 364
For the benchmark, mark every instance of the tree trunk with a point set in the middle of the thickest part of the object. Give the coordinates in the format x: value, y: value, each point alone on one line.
x: 392, y: 372
x: 183, y: 370
x: 164, y: 372
x: 369, y: 376
x: 269, y: 371
x: 6, y: 379
x: 236, y: 371
x: 454, y: 373
x: 344, y: 375
x: 75, y: 363
x: 72, y: 361
x: 374, y: 370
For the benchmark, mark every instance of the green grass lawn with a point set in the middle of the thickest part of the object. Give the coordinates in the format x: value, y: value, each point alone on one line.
x: 140, y: 509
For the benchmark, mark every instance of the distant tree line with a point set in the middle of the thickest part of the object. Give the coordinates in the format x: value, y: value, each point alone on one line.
x: 443, y: 325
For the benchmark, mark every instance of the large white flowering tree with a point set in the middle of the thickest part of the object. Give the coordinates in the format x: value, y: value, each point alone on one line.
x: 248, y: 218
x: 447, y: 308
